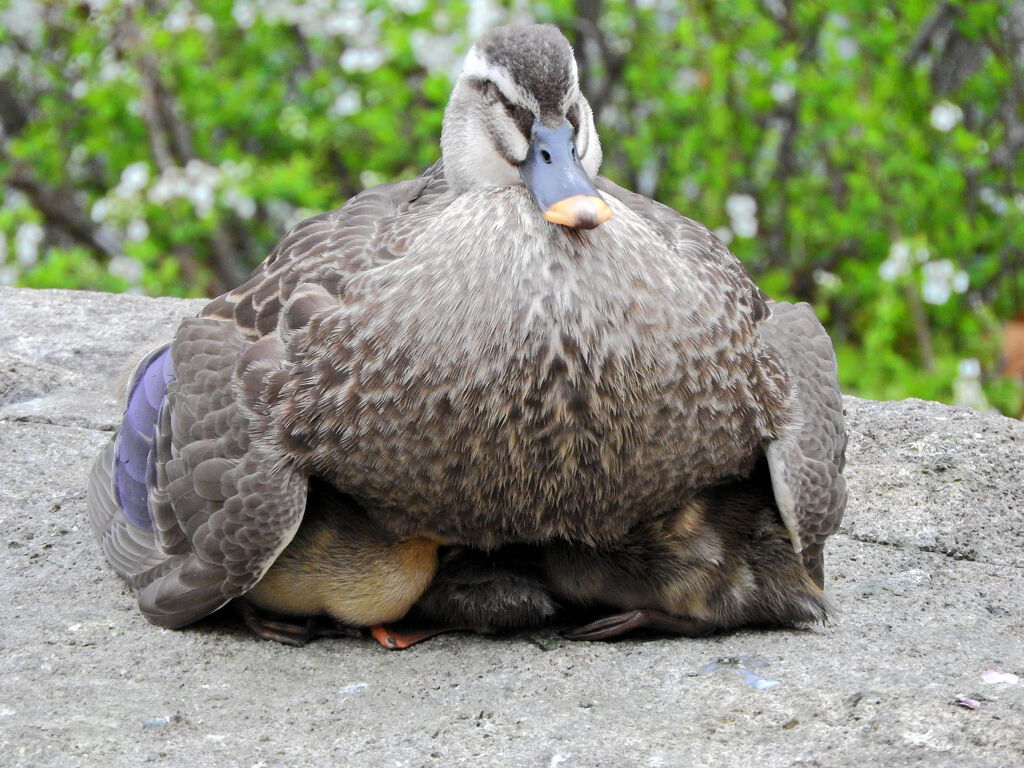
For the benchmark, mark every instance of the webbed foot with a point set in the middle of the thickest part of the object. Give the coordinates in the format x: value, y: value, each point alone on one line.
x: 620, y: 624
x: 399, y: 639
x: 294, y: 631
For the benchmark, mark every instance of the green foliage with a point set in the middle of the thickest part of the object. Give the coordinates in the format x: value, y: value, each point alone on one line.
x: 858, y: 155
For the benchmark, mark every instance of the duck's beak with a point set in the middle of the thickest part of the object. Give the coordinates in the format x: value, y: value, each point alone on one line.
x: 554, y: 176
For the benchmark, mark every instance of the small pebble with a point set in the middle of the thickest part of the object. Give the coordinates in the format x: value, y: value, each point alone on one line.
x: 160, y: 722
x: 966, y: 702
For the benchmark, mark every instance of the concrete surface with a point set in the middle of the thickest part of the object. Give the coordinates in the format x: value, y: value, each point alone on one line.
x: 926, y: 574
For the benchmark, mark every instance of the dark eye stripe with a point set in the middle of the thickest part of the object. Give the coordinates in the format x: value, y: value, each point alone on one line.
x: 574, y: 118
x: 522, y: 116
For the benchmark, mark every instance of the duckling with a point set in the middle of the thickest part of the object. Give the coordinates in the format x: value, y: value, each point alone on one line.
x: 341, y: 565
x: 507, y: 350
x: 722, y: 560
x: 484, y: 592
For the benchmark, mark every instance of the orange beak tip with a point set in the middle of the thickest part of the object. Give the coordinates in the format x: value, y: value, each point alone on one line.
x: 579, y: 212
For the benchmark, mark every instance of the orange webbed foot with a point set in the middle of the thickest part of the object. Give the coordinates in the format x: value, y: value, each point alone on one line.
x: 397, y: 640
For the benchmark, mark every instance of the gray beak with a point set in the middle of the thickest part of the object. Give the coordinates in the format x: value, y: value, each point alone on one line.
x: 557, y: 181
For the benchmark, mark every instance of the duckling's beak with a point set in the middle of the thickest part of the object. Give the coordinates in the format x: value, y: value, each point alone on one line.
x: 554, y: 176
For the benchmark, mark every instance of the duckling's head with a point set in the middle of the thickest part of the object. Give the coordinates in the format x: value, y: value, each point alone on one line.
x: 516, y: 117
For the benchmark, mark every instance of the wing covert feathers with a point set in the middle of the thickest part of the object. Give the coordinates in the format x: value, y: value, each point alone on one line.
x: 806, y: 461
x: 222, y: 510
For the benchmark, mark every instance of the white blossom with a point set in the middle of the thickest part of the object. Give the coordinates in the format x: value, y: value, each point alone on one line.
x: 26, y: 243
x: 125, y: 268
x: 993, y: 200
x: 23, y: 18
x: 133, y: 179
x: 370, y: 178
x: 827, y: 280
x: 201, y: 196
x: 939, y: 279
x: 967, y: 390
x: 961, y: 282
x: 846, y: 48
x: 945, y: 116
x: 647, y: 177
x: 241, y: 204
x: 686, y: 79
x: 740, y: 206
x: 179, y: 19
x: 482, y: 15
x: 346, y: 103
x: 99, y: 210
x: 243, y: 14
x: 347, y: 23
x: 137, y: 230
x: 409, y: 6
x: 782, y: 91
x: 436, y: 53
x: 361, y: 59
x: 898, y: 262
x: 742, y: 211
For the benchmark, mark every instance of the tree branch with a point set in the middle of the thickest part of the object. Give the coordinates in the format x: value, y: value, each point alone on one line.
x: 61, y: 210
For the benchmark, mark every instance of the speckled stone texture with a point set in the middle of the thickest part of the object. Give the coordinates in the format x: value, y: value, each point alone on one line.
x: 926, y: 573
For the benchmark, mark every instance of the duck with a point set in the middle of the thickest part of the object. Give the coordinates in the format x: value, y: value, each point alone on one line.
x: 508, y: 351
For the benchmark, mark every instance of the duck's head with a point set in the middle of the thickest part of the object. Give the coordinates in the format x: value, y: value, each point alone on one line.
x: 516, y: 117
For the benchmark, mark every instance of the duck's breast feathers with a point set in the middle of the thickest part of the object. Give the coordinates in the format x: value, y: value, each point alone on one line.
x: 692, y: 240
x: 328, y: 250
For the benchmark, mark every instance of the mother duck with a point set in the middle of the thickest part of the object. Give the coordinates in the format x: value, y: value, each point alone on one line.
x: 508, y: 349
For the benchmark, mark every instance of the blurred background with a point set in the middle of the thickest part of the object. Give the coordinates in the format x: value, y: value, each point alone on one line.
x: 865, y: 156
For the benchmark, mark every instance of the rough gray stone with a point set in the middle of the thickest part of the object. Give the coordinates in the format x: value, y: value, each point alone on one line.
x: 926, y: 574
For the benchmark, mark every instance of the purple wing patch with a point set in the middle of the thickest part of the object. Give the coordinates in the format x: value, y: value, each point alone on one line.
x: 134, y: 448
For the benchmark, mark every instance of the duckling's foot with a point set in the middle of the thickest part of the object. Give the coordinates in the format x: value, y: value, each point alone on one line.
x: 656, y: 621
x: 295, y: 632
x: 397, y: 640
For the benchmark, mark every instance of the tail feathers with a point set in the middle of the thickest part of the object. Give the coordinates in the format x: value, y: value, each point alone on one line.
x: 130, y: 550
x: 100, y: 499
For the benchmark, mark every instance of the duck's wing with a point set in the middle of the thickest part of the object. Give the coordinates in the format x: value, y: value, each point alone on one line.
x: 806, y: 460
x: 190, y: 510
x: 217, y: 510
x: 330, y: 249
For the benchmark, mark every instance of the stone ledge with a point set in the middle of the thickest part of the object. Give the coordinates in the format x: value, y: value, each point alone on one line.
x: 926, y: 574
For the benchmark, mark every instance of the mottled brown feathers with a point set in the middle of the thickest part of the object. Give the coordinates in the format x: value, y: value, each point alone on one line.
x: 451, y: 369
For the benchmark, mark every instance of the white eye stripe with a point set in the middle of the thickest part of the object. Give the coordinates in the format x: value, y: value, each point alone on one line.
x: 477, y: 66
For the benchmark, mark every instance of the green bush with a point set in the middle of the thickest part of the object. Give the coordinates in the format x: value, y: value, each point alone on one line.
x: 863, y: 156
